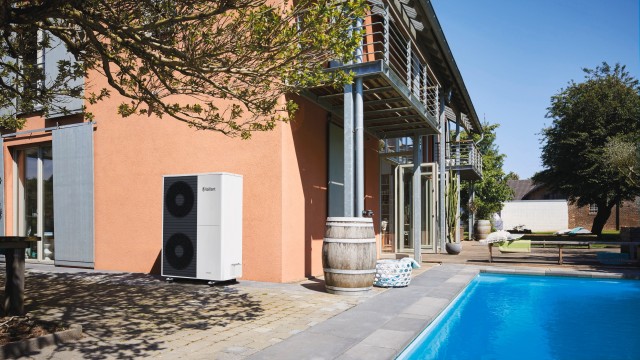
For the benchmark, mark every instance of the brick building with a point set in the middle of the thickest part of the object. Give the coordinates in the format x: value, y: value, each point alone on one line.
x: 626, y: 213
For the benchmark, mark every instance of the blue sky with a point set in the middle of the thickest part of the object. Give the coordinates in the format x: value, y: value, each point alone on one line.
x: 515, y: 54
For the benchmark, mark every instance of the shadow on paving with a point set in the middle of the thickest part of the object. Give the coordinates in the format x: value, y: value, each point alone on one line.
x: 128, y: 315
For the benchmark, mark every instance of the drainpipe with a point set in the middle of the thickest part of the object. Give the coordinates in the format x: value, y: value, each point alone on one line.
x: 359, y: 134
x: 354, y: 142
x: 348, y: 151
x: 359, y: 147
x: 480, y: 140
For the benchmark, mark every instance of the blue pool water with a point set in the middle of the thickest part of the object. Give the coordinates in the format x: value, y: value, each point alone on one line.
x: 536, y: 317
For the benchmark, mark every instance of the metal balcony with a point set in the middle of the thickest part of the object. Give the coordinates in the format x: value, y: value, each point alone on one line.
x: 463, y: 156
x: 400, y: 90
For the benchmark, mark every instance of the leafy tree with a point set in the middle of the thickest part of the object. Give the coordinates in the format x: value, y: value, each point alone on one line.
x: 492, y: 191
x: 231, y: 60
x: 587, y: 150
x: 622, y: 154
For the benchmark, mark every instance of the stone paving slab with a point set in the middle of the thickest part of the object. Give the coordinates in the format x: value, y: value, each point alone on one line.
x: 379, y: 333
x: 140, y: 316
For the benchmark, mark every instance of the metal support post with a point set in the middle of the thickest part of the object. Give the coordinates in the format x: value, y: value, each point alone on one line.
x: 443, y: 172
x: 472, y: 215
x: 416, y: 201
x: 458, y: 163
x: 348, y: 152
x: 359, y: 147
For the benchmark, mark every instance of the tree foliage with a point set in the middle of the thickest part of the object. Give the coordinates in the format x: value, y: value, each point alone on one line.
x: 231, y: 60
x: 588, y: 151
x: 512, y: 176
x: 492, y: 191
x: 622, y: 155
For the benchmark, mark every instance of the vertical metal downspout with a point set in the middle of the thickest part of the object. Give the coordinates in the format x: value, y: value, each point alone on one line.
x: 443, y: 172
x: 359, y: 134
x: 417, y: 198
x: 348, y: 151
x: 359, y: 147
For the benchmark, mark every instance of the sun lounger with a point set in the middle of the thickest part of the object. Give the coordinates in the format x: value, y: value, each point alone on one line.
x: 573, y: 232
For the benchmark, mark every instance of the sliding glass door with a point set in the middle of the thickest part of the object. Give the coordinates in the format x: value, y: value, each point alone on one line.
x: 34, y: 210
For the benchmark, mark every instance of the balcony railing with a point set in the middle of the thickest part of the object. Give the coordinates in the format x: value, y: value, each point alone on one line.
x: 465, y: 157
x: 383, y: 40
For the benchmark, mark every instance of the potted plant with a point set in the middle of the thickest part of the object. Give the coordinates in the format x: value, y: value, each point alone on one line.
x: 482, y: 224
x: 452, y: 196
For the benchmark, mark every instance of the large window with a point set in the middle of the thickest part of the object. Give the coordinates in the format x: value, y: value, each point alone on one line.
x: 31, y: 62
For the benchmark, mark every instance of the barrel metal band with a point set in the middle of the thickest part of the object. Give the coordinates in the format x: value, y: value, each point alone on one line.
x: 350, y: 225
x: 336, y: 288
x: 350, y: 272
x: 350, y: 241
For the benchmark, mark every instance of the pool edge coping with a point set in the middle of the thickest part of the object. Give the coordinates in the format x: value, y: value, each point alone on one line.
x: 384, y: 336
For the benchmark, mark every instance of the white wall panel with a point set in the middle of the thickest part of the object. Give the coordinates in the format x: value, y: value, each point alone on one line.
x: 537, y: 215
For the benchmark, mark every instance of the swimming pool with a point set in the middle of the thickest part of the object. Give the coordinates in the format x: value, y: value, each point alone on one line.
x: 536, y: 317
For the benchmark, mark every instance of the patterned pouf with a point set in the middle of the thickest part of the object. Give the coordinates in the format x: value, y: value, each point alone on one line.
x: 393, y: 273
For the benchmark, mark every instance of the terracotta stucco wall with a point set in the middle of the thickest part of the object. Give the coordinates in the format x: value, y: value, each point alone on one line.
x: 285, y: 186
x: 304, y: 189
x: 131, y: 156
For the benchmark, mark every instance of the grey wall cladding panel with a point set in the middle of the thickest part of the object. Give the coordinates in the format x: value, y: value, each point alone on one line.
x: 180, y: 226
x: 336, y: 171
x: 73, y: 195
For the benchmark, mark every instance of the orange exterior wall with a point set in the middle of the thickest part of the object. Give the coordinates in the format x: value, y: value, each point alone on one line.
x: 285, y: 186
x: 304, y: 189
x: 132, y: 155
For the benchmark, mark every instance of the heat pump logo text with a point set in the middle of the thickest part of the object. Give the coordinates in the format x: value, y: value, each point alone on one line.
x: 205, y: 188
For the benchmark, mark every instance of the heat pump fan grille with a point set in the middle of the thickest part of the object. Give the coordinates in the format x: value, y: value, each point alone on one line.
x: 179, y: 199
x: 179, y: 251
x: 179, y: 245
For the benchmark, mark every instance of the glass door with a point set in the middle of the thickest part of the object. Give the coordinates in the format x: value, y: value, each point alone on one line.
x: 404, y: 209
x: 34, y: 212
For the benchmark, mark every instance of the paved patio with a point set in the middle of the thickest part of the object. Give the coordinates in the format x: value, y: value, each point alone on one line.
x: 136, y: 316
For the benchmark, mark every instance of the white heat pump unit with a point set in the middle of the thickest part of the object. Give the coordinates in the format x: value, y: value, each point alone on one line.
x: 202, y: 226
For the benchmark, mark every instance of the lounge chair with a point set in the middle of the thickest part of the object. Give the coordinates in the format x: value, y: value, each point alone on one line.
x: 507, y: 242
x: 573, y: 232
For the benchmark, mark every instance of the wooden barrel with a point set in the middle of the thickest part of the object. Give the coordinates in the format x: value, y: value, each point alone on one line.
x: 349, y: 255
x: 482, y: 229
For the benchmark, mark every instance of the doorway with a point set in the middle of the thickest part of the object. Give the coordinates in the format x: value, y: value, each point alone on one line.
x: 33, y: 214
x: 396, y: 196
